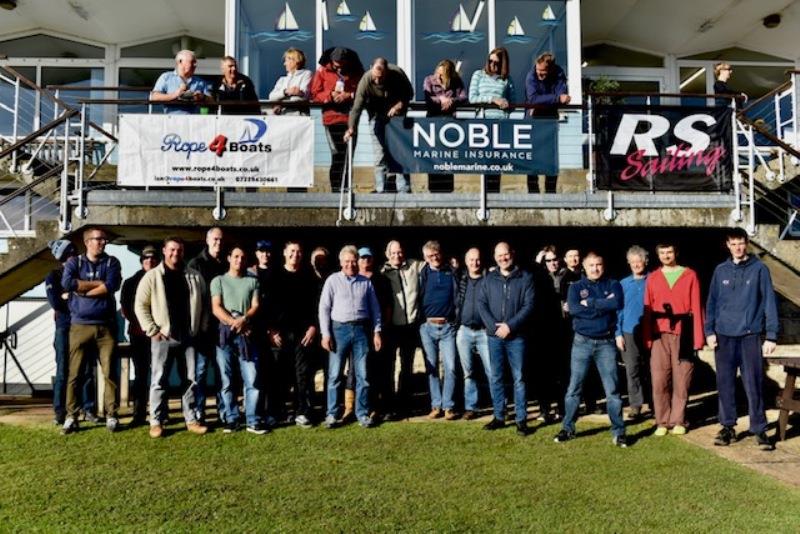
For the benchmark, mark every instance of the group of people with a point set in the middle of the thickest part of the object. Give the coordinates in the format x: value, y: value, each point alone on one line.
x: 264, y: 326
x: 344, y: 89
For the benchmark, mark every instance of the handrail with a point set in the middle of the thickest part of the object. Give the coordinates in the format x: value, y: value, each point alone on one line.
x: 69, y: 113
x: 667, y: 95
x: 68, y: 88
x: 760, y: 99
x: 55, y: 99
x: 27, y: 187
x: 763, y: 131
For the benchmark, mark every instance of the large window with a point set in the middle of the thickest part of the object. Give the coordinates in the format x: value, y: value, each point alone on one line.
x: 366, y: 26
x: 49, y: 46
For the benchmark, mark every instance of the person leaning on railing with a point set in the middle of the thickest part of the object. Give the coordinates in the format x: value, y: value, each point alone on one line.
x: 492, y: 85
x: 334, y: 85
x: 294, y: 86
x: 233, y: 86
x: 444, y: 91
x: 181, y: 85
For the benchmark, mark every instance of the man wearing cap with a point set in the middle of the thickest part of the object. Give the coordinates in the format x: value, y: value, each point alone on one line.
x: 210, y: 263
x: 139, y: 341
x: 348, y: 313
x: 92, y: 279
x: 58, y: 298
x: 292, y: 328
x: 379, y: 368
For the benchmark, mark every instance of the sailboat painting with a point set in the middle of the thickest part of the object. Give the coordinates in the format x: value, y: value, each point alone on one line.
x: 460, y: 27
x: 343, y: 12
x: 286, y: 28
x: 515, y: 33
x: 368, y: 30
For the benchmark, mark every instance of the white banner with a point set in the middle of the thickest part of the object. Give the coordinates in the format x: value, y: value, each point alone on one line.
x: 211, y: 150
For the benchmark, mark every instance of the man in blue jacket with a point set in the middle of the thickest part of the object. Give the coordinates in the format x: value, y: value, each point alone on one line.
x: 505, y: 303
x: 92, y: 279
x: 545, y: 87
x: 741, y: 307
x: 594, y: 302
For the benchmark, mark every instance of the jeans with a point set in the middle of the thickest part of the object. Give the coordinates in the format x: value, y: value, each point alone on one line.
x: 513, y: 351
x: 469, y: 340
x: 225, y: 357
x: 604, y: 354
x: 61, y: 346
x: 377, y: 130
x: 141, y: 356
x: 335, y: 136
x: 440, y: 340
x: 634, y: 357
x: 205, y: 354
x: 85, y: 340
x: 349, y: 338
x: 163, y: 354
x: 745, y: 353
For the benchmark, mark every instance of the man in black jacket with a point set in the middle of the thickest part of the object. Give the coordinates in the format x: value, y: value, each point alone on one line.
x: 506, y: 303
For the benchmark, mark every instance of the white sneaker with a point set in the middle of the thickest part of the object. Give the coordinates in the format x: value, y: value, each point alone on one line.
x: 70, y: 426
x: 302, y: 421
x: 112, y: 423
x: 330, y: 422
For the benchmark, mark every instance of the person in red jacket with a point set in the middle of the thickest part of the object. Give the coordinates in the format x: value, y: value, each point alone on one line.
x: 334, y: 85
x: 672, y: 328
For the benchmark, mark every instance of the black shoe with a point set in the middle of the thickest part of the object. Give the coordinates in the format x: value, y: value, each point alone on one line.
x: 230, y: 428
x: 494, y: 424
x: 763, y: 442
x: 138, y: 420
x: 725, y: 436
x: 563, y: 436
x: 522, y: 429
x: 620, y: 441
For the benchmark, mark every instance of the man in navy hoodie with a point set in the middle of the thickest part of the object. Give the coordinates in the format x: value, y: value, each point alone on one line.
x: 545, y: 87
x: 594, y: 302
x: 740, y: 309
x: 505, y: 304
x: 92, y: 279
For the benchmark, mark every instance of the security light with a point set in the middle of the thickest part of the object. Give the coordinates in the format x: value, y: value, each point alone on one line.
x: 772, y: 21
x: 8, y: 4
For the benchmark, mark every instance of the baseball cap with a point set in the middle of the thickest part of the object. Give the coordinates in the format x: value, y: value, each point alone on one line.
x: 365, y: 251
x: 148, y: 251
x: 264, y: 244
x: 61, y: 248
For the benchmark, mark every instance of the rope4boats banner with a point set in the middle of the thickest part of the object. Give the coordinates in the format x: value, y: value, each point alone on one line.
x: 226, y: 150
x: 479, y: 146
x: 663, y: 148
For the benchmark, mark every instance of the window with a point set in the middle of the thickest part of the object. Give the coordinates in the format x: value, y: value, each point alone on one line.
x: 167, y: 48
x: 51, y: 47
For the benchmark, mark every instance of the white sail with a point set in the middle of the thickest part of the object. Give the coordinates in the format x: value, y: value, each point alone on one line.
x: 548, y: 14
x: 343, y: 9
x: 461, y: 22
x: 367, y: 24
x: 286, y: 21
x: 515, y: 28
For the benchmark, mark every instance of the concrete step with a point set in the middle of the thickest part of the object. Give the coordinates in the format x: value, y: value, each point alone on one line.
x: 27, y: 261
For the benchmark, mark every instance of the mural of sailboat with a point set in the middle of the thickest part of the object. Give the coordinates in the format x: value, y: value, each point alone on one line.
x: 548, y: 13
x: 367, y: 24
x: 460, y: 22
x: 515, y: 28
x: 343, y: 10
x: 286, y: 21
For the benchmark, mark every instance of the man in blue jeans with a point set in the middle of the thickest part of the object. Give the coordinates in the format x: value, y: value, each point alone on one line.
x: 506, y: 303
x: 594, y: 302
x: 437, y: 312
x: 234, y: 301
x: 348, y: 313
x: 471, y: 336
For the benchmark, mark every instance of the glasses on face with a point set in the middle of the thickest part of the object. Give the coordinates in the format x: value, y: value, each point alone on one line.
x: 494, y: 61
x: 551, y: 260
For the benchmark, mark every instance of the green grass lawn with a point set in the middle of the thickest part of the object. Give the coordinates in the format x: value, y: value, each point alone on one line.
x: 401, y: 476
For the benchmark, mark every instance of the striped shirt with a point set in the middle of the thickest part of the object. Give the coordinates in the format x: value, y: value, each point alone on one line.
x: 484, y: 88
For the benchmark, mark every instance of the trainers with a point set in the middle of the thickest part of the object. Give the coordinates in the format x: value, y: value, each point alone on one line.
x: 469, y: 415
x: 270, y: 422
x: 451, y: 415
x: 330, y: 422
x: 230, y: 428
x: 678, y: 430
x: 112, y: 424
x: 257, y: 428
x: 494, y: 424
x: 70, y: 426
x: 763, y: 442
x: 302, y: 421
x: 522, y: 428
x: 620, y: 441
x: 196, y: 428
x: 661, y: 431
x: 725, y: 436
x: 366, y: 422
x: 564, y: 435
x: 90, y: 417
x: 435, y: 413
x: 156, y: 431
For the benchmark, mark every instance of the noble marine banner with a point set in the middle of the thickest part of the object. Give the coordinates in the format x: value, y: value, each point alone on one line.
x: 227, y: 150
x: 476, y: 146
x: 663, y: 148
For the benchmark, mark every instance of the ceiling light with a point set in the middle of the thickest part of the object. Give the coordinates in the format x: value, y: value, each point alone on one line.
x: 772, y: 21
x: 8, y: 4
